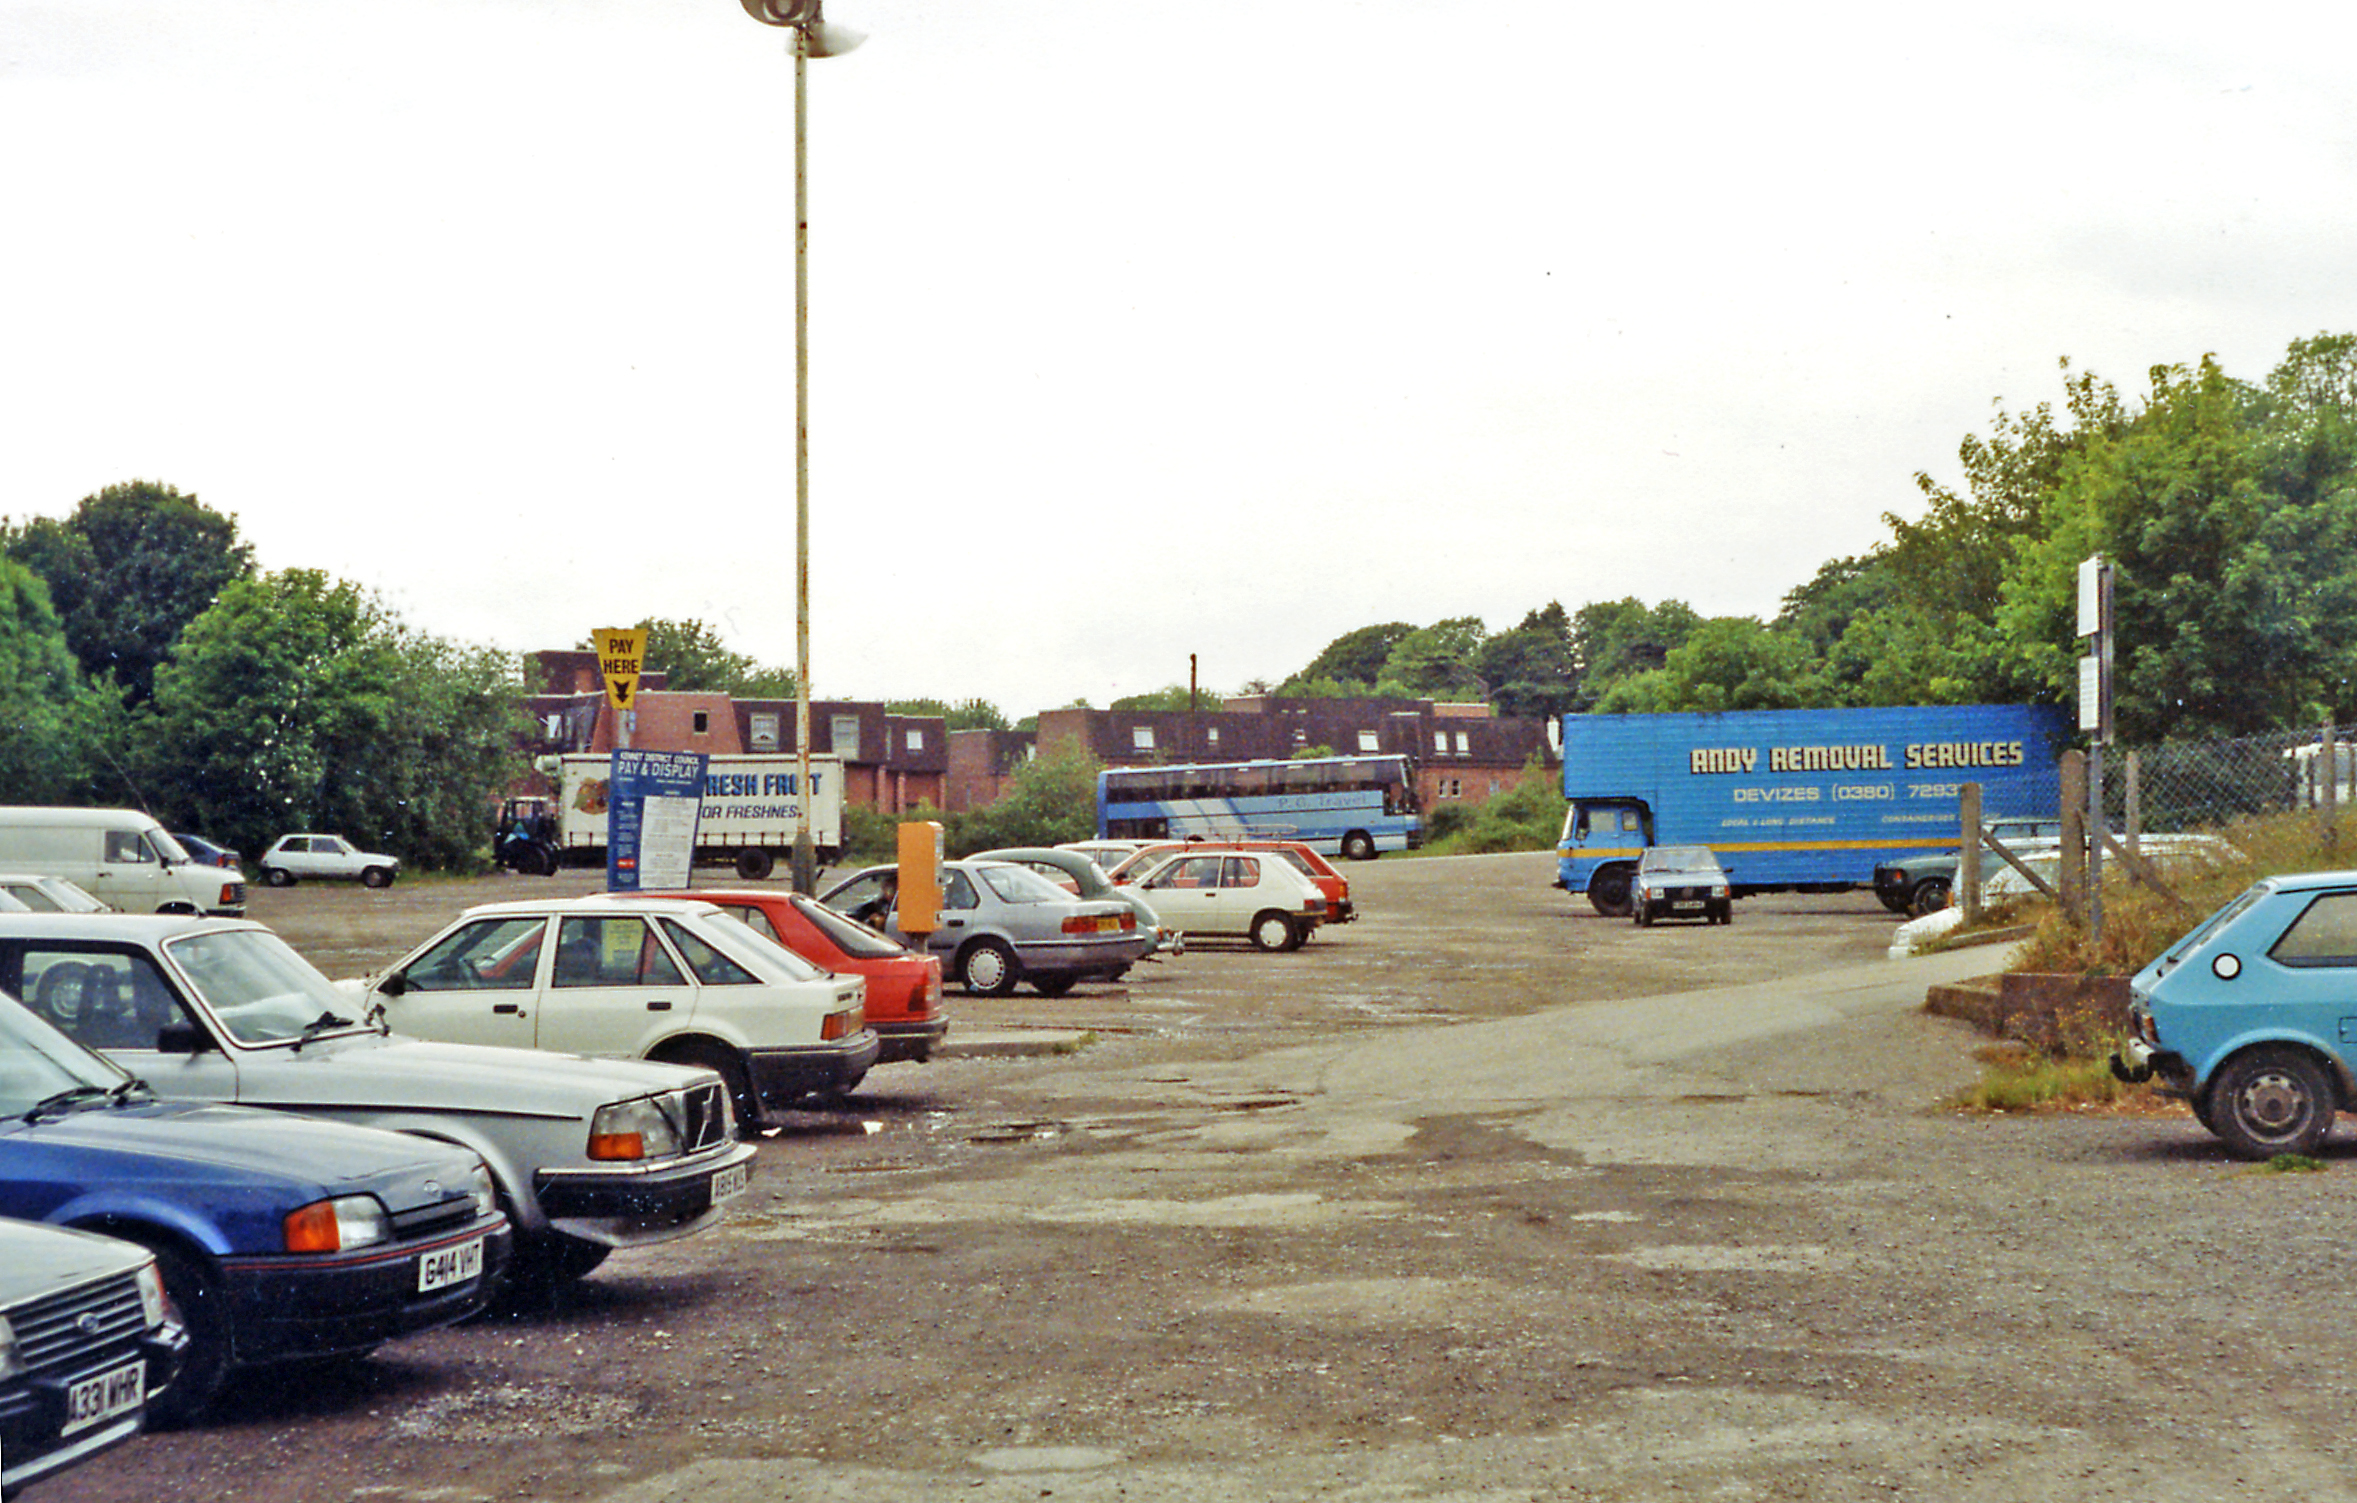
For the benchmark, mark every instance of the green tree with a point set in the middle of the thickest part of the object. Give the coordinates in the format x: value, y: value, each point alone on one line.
x: 1617, y: 639
x: 43, y: 702
x: 1174, y: 697
x: 1053, y: 799
x: 297, y: 702
x: 1436, y: 662
x: 1355, y: 659
x: 964, y: 715
x: 127, y: 571
x: 1534, y: 669
x: 1726, y: 663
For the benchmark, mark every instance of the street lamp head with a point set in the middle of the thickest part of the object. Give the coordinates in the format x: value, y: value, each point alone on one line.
x: 819, y: 38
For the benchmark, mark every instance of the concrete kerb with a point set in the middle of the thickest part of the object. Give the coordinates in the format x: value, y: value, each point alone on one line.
x: 1003, y: 1042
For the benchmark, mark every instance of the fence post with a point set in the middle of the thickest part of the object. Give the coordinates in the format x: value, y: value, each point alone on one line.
x: 2328, y: 755
x: 2134, y: 812
x: 2071, y: 860
x: 1968, y: 852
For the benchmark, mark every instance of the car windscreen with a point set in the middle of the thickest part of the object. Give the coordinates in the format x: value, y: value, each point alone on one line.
x: 1679, y: 858
x: 259, y: 989
x: 37, y: 1063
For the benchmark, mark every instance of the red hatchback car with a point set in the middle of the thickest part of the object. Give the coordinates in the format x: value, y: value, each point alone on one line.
x: 904, y: 988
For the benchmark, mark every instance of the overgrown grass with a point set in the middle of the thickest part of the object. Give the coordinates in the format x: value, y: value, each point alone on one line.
x: 2024, y: 1080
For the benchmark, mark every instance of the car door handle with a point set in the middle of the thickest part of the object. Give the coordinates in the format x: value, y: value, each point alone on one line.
x: 508, y: 1007
x: 953, y: 923
x: 660, y: 1004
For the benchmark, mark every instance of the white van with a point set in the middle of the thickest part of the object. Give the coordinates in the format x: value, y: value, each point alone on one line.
x: 120, y: 857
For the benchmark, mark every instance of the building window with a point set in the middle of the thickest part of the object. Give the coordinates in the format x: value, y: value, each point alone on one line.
x: 1369, y: 742
x: 703, y: 722
x: 1211, y: 735
x: 1464, y: 743
x: 846, y: 737
x: 1440, y: 741
x: 1452, y: 787
x: 764, y: 733
x: 916, y: 738
x: 1141, y: 738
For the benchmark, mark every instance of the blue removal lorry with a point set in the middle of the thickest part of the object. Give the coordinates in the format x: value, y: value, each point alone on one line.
x: 1811, y: 800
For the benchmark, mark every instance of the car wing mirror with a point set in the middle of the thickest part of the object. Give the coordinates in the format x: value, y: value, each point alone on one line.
x: 393, y: 985
x: 181, y: 1037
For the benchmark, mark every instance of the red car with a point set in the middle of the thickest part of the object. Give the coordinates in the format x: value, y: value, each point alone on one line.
x: 904, y: 988
x: 1331, y: 883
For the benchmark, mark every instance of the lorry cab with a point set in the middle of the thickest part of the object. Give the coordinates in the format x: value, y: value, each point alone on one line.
x: 1602, y: 840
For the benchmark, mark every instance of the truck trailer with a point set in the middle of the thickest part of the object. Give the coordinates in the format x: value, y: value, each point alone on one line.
x: 1809, y: 800
x: 750, y: 814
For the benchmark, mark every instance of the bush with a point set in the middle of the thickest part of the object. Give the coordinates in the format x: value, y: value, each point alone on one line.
x: 1525, y: 817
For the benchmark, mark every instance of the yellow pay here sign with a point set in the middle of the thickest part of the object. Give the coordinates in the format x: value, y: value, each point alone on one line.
x: 621, y: 656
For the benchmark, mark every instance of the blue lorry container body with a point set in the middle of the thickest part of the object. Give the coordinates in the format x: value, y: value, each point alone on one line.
x: 1794, y: 798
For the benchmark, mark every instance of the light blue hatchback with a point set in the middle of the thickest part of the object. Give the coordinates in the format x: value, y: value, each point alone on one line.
x: 2252, y: 1016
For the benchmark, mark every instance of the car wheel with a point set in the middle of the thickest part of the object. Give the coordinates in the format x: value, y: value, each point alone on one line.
x: 195, y: 1292
x: 1929, y: 896
x: 988, y: 968
x: 1273, y: 931
x: 730, y: 1067
x: 2272, y: 1100
x: 1358, y: 845
x: 377, y: 876
x: 1055, y: 984
x: 755, y: 865
x: 278, y: 876
x: 1608, y: 890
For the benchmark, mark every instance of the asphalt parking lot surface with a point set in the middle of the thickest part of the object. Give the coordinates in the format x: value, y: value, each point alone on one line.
x: 1484, y: 1197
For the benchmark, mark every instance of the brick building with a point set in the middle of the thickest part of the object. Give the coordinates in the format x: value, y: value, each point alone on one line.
x: 892, y: 763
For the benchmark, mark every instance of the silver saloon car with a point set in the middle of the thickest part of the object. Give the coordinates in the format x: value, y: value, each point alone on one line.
x: 588, y: 1155
x: 1000, y: 924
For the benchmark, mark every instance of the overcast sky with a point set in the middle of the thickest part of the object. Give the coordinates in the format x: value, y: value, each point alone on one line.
x: 1137, y: 331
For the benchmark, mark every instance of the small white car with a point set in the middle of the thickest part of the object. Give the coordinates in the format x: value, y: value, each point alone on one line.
x: 25, y: 892
x: 638, y: 978
x: 1257, y: 894
x: 295, y: 857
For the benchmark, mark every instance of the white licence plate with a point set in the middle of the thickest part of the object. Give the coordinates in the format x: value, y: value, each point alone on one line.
x: 730, y: 1183
x: 449, y: 1265
x: 111, y: 1394
x: 1687, y: 907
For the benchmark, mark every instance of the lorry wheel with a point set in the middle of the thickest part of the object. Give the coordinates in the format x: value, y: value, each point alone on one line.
x: 1930, y: 896
x: 988, y: 968
x: 2272, y: 1100
x: 1608, y: 890
x: 1358, y: 845
x: 755, y: 865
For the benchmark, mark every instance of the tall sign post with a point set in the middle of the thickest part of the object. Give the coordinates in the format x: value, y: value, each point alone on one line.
x: 2095, y: 585
x: 621, y: 657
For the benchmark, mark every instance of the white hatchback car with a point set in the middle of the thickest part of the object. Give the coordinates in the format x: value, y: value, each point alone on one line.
x: 1257, y: 894
x: 643, y: 978
x: 295, y: 857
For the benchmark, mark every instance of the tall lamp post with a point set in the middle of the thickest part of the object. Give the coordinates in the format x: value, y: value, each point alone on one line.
x: 813, y: 37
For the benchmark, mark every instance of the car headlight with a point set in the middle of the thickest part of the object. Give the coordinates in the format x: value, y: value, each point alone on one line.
x: 153, y: 1304
x: 485, y: 1191
x: 337, y: 1225
x: 12, y: 1363
x: 632, y: 1130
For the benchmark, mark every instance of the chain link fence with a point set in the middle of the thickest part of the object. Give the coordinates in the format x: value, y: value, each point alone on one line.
x: 2205, y: 785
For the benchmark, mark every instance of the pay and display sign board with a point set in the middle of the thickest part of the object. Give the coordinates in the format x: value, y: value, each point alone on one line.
x: 652, y: 802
